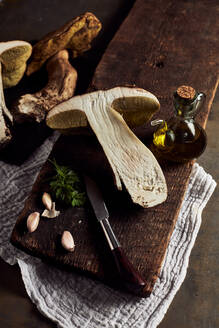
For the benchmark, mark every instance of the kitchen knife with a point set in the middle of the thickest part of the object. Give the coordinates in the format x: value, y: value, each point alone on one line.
x: 130, y: 277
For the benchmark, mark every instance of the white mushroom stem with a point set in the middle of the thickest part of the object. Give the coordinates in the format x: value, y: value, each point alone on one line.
x: 131, y: 161
x: 5, y: 135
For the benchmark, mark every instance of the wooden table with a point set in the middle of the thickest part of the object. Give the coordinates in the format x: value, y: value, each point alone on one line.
x: 194, y: 305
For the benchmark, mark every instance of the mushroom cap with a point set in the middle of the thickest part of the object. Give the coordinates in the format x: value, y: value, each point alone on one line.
x: 13, y: 57
x: 136, y: 106
x: 76, y: 35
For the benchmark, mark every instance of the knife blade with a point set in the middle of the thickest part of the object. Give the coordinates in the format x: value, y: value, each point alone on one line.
x: 129, y: 276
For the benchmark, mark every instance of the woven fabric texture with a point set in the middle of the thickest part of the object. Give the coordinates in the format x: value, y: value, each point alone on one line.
x: 73, y: 301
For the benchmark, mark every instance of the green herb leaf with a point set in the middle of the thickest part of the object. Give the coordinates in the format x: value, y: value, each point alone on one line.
x: 66, y: 186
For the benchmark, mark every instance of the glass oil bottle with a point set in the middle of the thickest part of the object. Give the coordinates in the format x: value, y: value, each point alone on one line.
x: 181, y: 139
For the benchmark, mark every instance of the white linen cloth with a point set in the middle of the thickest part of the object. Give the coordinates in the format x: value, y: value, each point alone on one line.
x: 73, y: 301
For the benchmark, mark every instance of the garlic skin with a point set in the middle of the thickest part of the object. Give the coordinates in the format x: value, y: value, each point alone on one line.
x: 51, y: 213
x: 33, y: 221
x: 67, y: 241
x: 47, y: 201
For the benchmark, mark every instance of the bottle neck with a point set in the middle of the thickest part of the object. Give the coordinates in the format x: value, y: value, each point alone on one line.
x: 185, y: 108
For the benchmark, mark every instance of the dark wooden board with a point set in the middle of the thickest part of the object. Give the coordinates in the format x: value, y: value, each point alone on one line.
x: 161, y: 45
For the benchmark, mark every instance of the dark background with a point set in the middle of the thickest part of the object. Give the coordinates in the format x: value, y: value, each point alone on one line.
x: 196, y: 304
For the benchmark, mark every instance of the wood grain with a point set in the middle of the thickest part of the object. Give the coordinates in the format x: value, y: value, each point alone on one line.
x: 160, y: 45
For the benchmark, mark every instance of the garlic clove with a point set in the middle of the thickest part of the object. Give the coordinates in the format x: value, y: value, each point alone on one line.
x: 51, y: 213
x: 47, y: 201
x: 67, y: 241
x: 33, y: 221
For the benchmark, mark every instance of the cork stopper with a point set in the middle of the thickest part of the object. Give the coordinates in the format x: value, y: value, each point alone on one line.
x: 186, y: 92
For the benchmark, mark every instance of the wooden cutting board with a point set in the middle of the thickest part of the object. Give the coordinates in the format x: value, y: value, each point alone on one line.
x: 160, y: 45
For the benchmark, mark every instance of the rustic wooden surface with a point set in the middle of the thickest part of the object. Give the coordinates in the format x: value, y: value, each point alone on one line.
x: 158, y: 47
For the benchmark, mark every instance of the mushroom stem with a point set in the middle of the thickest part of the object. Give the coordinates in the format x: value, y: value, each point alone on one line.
x: 132, y: 163
x: 61, y: 85
x: 5, y: 135
x: 4, y: 108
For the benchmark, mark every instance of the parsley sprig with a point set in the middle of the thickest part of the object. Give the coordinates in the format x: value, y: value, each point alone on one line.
x: 66, y: 186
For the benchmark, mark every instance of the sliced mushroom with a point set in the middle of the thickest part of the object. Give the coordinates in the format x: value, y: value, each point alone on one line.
x: 13, y: 57
x: 131, y: 161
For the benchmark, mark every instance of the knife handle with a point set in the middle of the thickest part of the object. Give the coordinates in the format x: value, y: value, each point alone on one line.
x: 130, y: 277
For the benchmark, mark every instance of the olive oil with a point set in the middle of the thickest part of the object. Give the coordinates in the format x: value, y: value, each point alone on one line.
x: 181, y: 138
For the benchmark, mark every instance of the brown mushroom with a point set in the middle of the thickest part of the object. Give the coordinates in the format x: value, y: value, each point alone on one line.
x: 76, y: 35
x: 61, y: 85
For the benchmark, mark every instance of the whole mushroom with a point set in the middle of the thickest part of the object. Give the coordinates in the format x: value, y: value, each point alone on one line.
x: 74, y: 38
